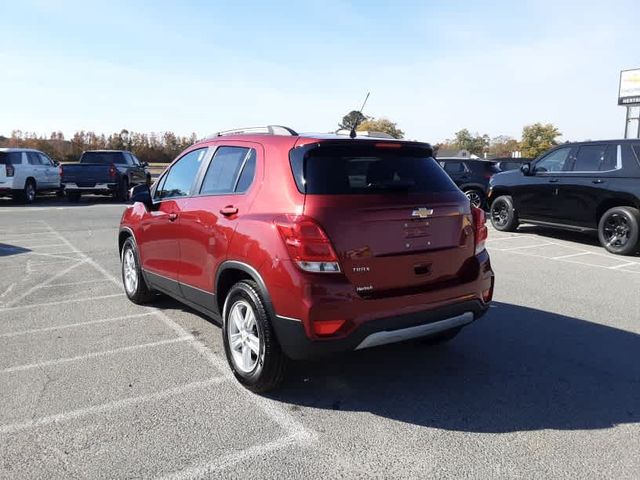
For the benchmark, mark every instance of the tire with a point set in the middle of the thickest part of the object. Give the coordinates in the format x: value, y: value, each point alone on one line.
x: 476, y: 197
x: 441, y: 337
x: 619, y: 230
x: 28, y: 194
x: 74, y: 197
x: 122, y: 194
x: 133, y: 280
x: 255, y: 358
x: 503, y: 216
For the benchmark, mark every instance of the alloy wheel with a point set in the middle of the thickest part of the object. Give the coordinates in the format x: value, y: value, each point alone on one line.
x: 30, y: 192
x: 243, y: 336
x: 500, y: 214
x: 616, y: 230
x: 130, y: 271
x: 474, y: 197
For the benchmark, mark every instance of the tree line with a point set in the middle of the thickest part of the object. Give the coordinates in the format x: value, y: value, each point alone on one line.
x: 148, y: 147
x: 164, y: 147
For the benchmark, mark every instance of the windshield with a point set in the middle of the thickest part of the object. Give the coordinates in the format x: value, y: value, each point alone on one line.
x: 346, y: 170
x: 103, y: 158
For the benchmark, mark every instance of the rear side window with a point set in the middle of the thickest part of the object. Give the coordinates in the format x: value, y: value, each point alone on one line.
x: 34, y: 158
x: 10, y: 158
x: 348, y: 170
x: 454, y: 167
x: 180, y: 178
x: 231, y: 171
x: 590, y: 158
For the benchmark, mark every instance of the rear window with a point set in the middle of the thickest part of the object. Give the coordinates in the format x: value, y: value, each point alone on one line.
x: 348, y: 170
x: 102, y: 158
x: 10, y: 158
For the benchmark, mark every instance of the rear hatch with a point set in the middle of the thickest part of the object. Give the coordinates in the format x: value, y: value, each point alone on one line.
x: 8, y: 159
x: 398, y: 223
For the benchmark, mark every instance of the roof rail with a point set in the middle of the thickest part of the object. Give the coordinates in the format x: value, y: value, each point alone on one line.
x: 267, y: 130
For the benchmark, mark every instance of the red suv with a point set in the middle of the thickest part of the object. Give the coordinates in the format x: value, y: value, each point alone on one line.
x: 303, y: 245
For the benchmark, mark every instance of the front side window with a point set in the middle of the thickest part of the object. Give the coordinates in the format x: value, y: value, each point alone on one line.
x: 553, y: 162
x: 590, y: 158
x: 45, y: 160
x: 231, y: 171
x: 178, y: 181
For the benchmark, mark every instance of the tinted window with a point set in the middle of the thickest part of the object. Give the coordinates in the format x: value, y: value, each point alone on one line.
x: 10, y: 158
x: 454, y: 167
x: 364, y: 169
x: 247, y: 174
x: 33, y: 158
x: 636, y: 150
x: 180, y: 178
x: 102, y: 158
x: 589, y: 158
x: 553, y: 162
x: 224, y: 170
x: 510, y: 165
x: 45, y: 160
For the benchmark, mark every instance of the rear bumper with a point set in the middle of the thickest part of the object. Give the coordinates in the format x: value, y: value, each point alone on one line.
x: 96, y: 188
x: 297, y: 345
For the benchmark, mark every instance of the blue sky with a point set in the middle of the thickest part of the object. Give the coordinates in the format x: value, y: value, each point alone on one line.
x: 200, y: 66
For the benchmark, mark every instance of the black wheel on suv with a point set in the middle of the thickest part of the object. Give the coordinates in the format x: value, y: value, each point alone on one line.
x: 476, y: 197
x: 252, y: 350
x: 619, y: 230
x: 503, y: 216
x: 134, y: 284
x: 73, y: 197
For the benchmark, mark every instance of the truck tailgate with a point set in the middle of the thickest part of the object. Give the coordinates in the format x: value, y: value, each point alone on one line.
x: 86, y: 174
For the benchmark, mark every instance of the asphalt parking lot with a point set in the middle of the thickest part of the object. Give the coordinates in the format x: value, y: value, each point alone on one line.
x: 546, y: 385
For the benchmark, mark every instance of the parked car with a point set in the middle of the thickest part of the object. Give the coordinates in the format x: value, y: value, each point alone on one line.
x: 471, y: 176
x: 587, y: 187
x: 508, y: 163
x: 104, y: 172
x: 304, y: 245
x: 25, y: 172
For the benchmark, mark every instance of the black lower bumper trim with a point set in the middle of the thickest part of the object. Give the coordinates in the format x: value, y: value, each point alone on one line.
x: 296, y: 345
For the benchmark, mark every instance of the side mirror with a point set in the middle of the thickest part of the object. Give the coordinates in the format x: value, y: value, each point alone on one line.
x: 144, y: 164
x: 142, y: 194
x: 526, y: 169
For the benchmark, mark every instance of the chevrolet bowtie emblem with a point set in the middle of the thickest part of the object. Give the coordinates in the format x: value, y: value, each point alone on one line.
x: 422, y: 212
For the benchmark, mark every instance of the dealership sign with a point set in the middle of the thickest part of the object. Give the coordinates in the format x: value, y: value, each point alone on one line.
x: 629, y: 92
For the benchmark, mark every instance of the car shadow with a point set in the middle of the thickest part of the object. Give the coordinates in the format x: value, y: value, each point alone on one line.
x: 7, y: 250
x: 53, y: 201
x: 557, y: 234
x: 516, y: 369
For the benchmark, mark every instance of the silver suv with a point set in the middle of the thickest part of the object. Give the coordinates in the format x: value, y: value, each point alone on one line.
x: 24, y: 172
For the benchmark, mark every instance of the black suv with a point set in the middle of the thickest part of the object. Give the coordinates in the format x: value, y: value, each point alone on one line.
x: 471, y: 176
x: 587, y: 186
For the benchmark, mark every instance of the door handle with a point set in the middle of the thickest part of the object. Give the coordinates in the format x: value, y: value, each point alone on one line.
x: 597, y: 180
x: 172, y: 217
x: 229, y: 210
x: 553, y: 180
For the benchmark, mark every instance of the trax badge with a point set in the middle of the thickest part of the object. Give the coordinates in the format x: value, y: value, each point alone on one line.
x: 422, y: 212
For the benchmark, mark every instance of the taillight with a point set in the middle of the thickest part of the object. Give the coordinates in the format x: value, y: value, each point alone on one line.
x: 479, y: 228
x: 60, y: 170
x: 11, y: 171
x: 307, y: 244
x: 112, y: 171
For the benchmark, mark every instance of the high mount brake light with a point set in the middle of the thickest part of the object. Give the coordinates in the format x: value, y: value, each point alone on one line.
x: 479, y: 228
x: 388, y: 145
x: 307, y: 244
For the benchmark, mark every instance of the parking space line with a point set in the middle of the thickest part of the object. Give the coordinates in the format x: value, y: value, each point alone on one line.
x: 29, y: 291
x: 624, y: 265
x: 57, y: 361
x: 75, y: 325
x: 270, y: 407
x: 105, y: 407
x: 230, y: 459
x: 68, y: 300
x: 4, y: 238
x: 521, y: 248
x: 570, y: 255
x: 81, y: 282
